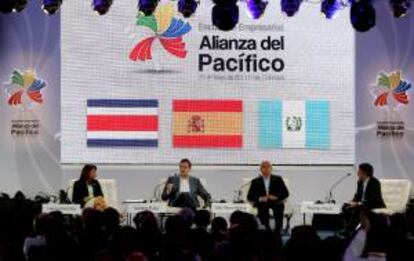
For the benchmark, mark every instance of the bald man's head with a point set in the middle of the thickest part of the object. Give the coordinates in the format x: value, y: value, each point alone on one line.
x: 266, y: 168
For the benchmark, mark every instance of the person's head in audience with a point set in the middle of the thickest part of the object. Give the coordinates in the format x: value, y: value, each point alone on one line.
x: 126, y: 241
x: 304, y: 244
x: 188, y: 216
x: 243, y: 225
x: 175, y: 226
x: 146, y: 222
x: 88, y: 173
x: 365, y: 171
x: 111, y: 218
x: 19, y: 196
x: 40, y: 224
x: 202, y: 219
x: 235, y: 218
x: 92, y: 218
x: 185, y: 168
x: 266, y: 168
x: 219, y: 226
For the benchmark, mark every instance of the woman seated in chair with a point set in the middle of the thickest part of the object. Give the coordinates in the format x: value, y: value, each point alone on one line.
x: 87, y: 187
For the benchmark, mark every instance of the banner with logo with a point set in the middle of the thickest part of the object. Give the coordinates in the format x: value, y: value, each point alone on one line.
x: 209, y: 85
x: 384, y: 91
x: 29, y: 101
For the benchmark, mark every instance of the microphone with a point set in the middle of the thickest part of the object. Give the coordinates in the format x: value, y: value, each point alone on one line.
x: 68, y: 189
x: 330, y: 199
x: 240, y: 191
x: 63, y: 197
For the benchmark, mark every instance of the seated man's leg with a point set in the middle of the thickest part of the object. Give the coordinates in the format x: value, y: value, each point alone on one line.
x: 278, y: 210
x: 263, y: 213
x: 351, y: 216
x: 184, y: 200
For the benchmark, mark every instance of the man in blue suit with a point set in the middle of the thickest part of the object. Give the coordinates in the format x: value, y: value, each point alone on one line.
x: 182, y: 190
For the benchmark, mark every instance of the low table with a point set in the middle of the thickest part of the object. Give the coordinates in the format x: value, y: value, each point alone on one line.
x: 310, y: 207
x: 133, y: 207
x: 66, y: 209
x: 220, y: 209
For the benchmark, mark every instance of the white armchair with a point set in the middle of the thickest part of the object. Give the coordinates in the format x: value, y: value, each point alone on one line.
x: 396, y: 194
x: 288, y: 213
x: 109, y: 190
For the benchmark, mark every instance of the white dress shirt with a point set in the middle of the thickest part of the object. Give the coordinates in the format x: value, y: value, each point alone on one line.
x: 184, y: 185
x: 266, y: 181
x: 364, y: 188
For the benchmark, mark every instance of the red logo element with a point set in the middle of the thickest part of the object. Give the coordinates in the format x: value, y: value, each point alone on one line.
x: 196, y: 124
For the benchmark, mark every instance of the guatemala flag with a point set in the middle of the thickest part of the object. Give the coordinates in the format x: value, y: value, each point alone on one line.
x: 294, y: 124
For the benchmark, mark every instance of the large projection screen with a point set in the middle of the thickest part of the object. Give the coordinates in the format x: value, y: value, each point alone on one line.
x: 152, y: 90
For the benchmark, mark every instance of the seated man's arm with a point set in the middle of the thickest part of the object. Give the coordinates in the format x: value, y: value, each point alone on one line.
x: 283, y: 191
x: 168, y: 189
x: 358, y: 196
x: 253, y: 195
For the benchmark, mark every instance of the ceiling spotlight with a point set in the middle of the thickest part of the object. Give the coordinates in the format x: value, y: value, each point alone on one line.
x: 362, y: 15
x: 101, y: 7
x: 330, y: 7
x: 51, y: 6
x: 187, y: 7
x: 400, y: 7
x: 8, y: 6
x: 147, y: 6
x: 256, y: 8
x: 225, y: 14
x: 290, y: 7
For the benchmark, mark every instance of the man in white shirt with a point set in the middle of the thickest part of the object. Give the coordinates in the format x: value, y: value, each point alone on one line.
x: 182, y: 190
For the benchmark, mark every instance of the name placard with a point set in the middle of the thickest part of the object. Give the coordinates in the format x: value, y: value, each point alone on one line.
x: 155, y: 207
x: 324, y: 208
x: 66, y: 209
x: 228, y: 208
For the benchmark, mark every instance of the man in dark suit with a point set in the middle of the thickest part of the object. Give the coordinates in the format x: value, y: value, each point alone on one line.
x: 182, y: 190
x: 368, y: 196
x: 268, y: 192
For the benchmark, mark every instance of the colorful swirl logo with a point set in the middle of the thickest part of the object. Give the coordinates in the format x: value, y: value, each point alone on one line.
x: 25, y: 89
x: 166, y: 28
x: 392, y: 90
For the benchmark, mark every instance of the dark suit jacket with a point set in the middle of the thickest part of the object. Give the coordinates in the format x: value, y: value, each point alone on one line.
x: 80, y: 191
x: 196, y: 189
x: 373, y: 196
x: 276, y: 187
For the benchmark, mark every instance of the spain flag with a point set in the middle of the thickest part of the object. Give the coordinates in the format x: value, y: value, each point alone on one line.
x: 207, y: 123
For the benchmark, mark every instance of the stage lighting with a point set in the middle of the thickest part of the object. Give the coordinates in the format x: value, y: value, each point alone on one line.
x: 147, y: 6
x: 400, y: 7
x: 51, y: 6
x: 330, y: 7
x: 256, y: 8
x: 225, y: 14
x: 362, y: 15
x: 101, y: 7
x: 187, y: 7
x: 290, y: 7
x: 8, y: 6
